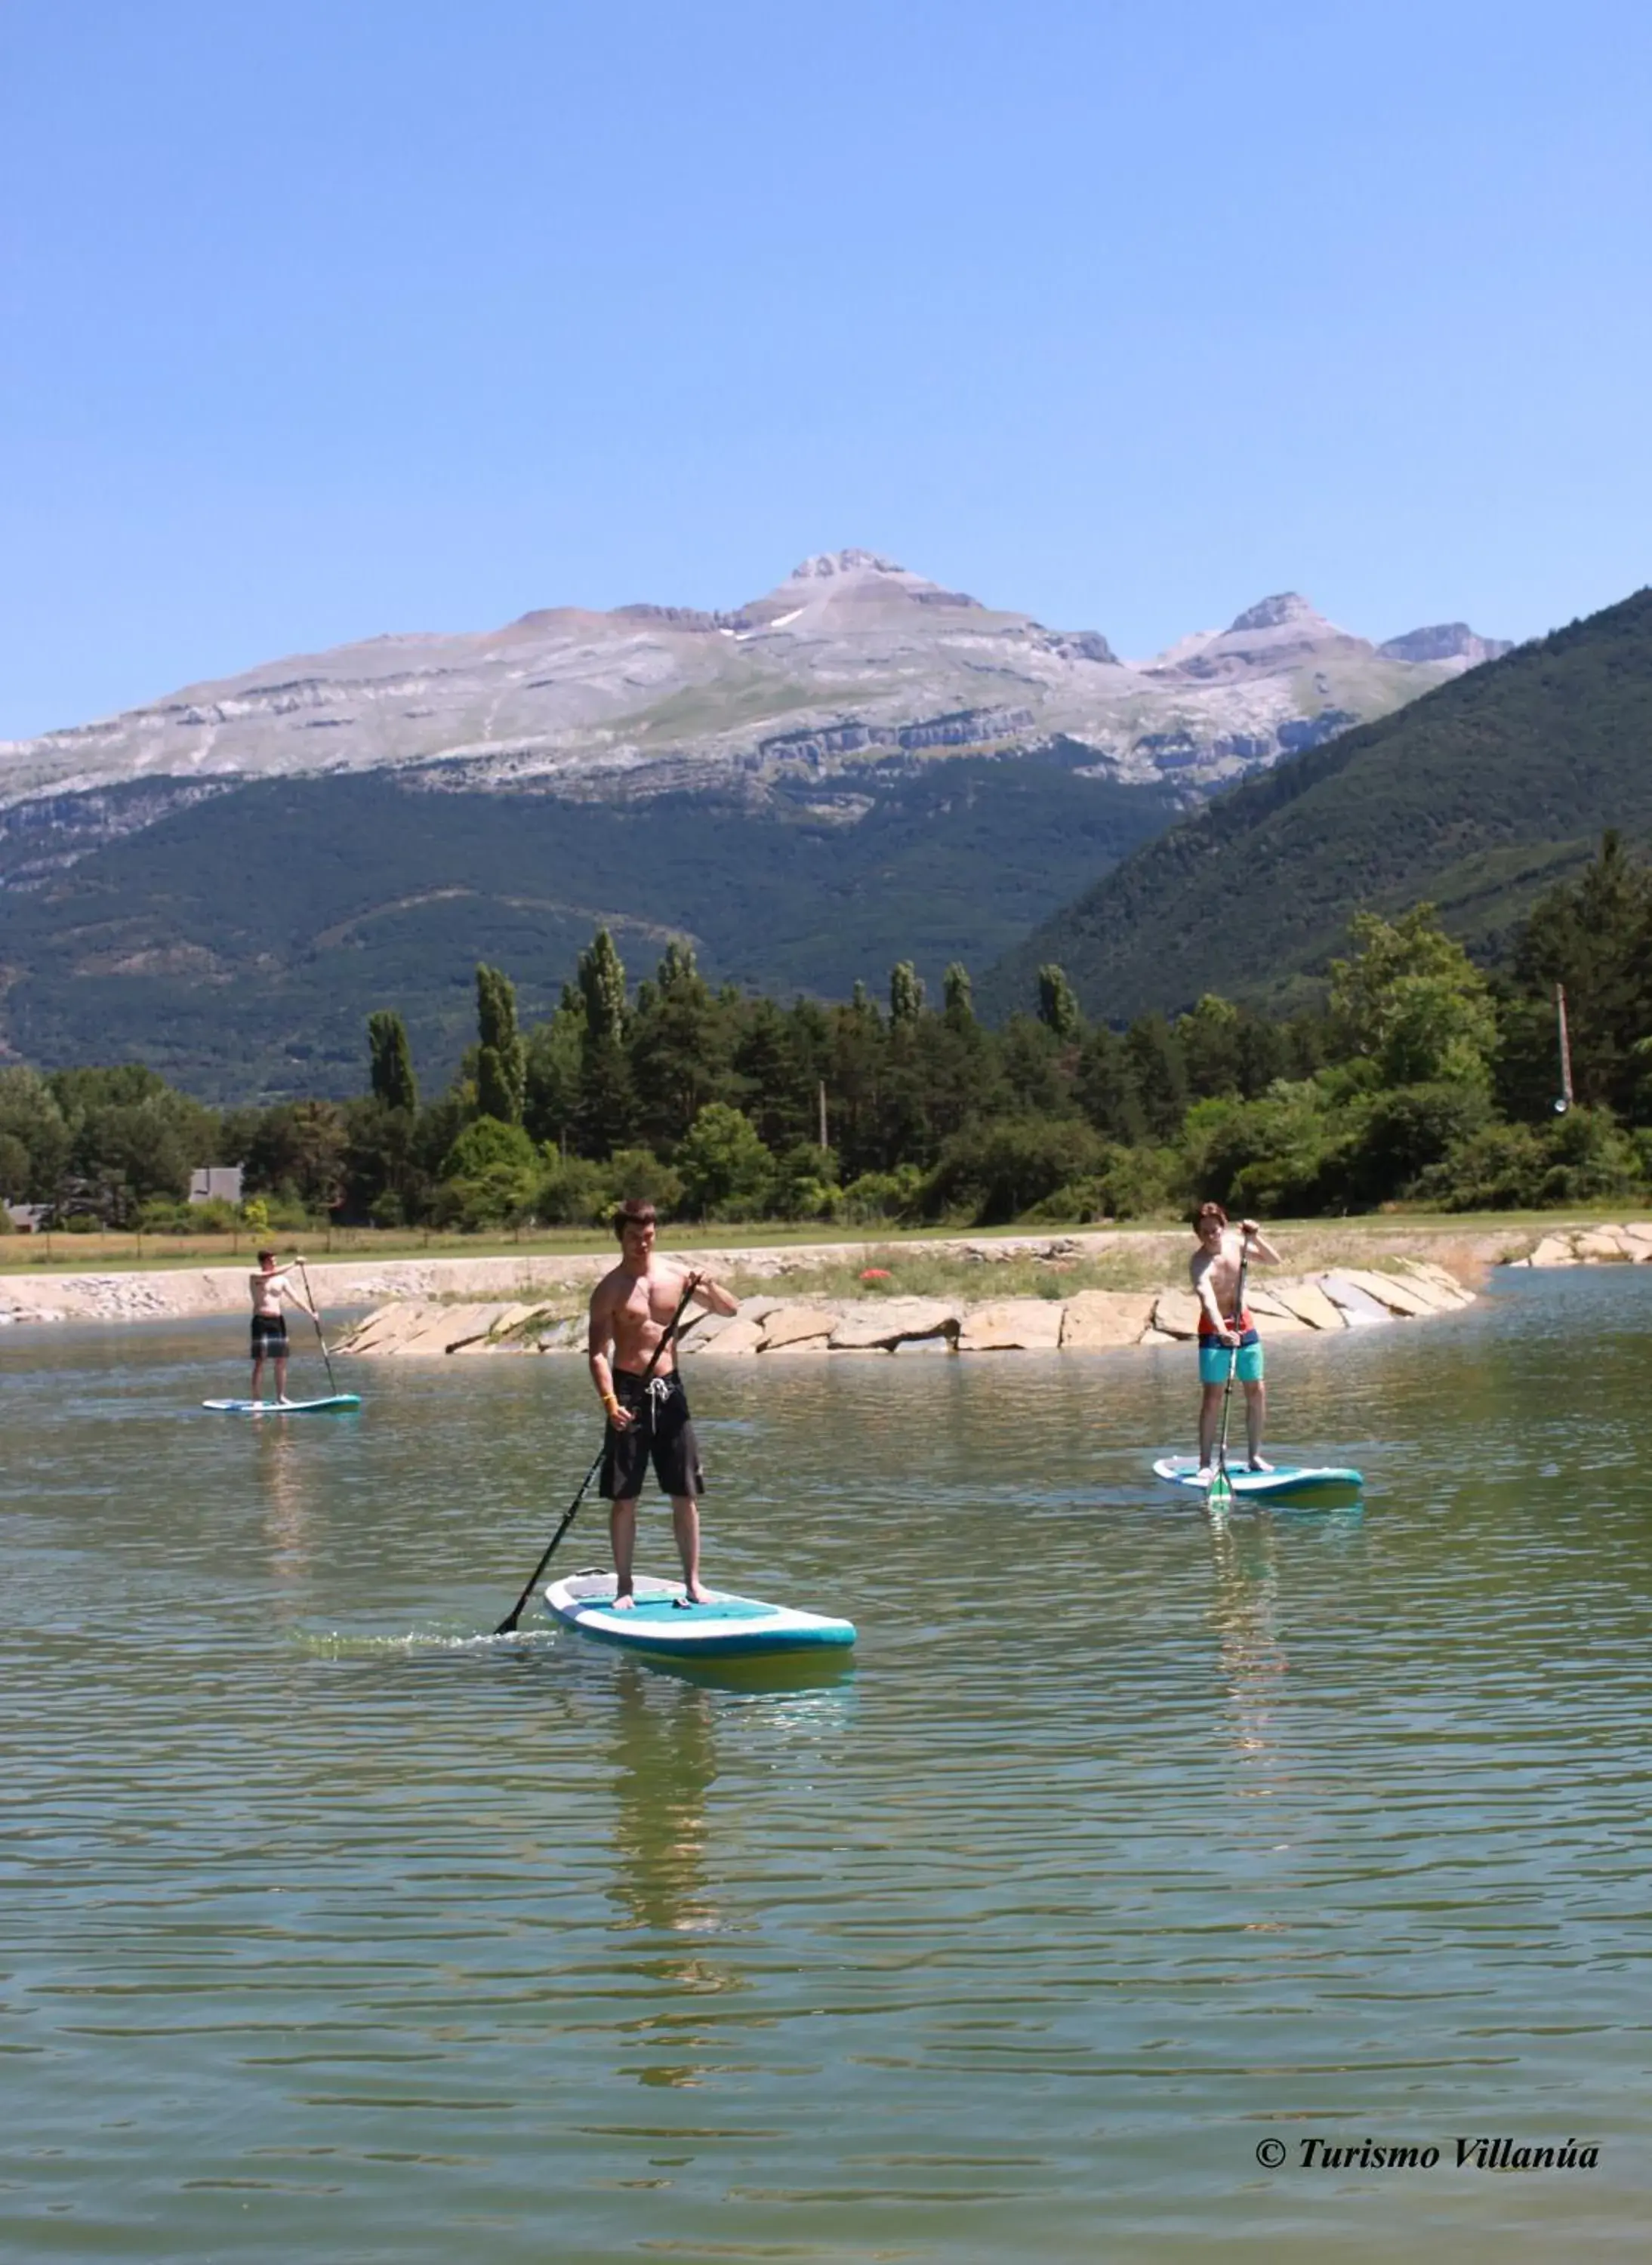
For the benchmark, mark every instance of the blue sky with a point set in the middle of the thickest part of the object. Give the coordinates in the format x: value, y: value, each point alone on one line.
x: 345, y: 316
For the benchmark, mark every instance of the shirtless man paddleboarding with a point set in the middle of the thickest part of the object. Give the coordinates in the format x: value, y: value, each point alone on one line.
x: 1229, y: 1345
x: 631, y: 1311
x: 269, y: 1285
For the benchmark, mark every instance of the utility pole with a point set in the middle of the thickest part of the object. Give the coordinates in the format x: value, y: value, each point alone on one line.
x: 1565, y: 1101
x: 820, y: 1100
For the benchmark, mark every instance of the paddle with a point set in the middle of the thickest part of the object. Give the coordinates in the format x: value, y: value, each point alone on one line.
x: 1220, y: 1494
x: 506, y: 1626
x: 314, y: 1315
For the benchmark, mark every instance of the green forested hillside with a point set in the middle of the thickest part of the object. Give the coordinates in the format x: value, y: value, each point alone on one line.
x: 237, y: 945
x: 1477, y: 797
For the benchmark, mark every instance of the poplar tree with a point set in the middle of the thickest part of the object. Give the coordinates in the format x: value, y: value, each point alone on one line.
x: 606, y: 1094
x: 502, y: 1060
x: 602, y: 987
x: 1058, y: 1003
x: 391, y: 1072
x: 905, y: 992
x: 957, y: 998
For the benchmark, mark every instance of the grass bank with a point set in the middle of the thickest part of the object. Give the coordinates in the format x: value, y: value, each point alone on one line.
x: 1313, y: 1242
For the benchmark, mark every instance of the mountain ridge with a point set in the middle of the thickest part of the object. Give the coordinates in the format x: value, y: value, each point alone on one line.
x: 850, y: 651
x: 1477, y: 796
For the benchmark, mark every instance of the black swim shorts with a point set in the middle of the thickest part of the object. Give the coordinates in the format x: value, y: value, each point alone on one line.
x: 662, y: 1434
x: 269, y: 1333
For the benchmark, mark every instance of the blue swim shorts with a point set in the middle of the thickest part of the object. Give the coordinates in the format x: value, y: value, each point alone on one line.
x: 1214, y: 1358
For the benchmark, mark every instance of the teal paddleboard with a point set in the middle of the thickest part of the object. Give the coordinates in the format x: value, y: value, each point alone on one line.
x: 334, y: 1401
x: 662, y: 1623
x: 1291, y: 1481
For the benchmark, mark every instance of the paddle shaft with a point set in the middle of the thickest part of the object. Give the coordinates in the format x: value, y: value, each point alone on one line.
x: 1221, y: 1486
x: 507, y: 1625
x: 314, y: 1315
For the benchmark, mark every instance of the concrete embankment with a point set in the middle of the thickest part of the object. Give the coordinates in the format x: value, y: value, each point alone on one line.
x: 773, y: 1323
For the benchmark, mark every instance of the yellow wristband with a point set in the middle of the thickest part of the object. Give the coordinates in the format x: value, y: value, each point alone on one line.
x: 611, y: 1403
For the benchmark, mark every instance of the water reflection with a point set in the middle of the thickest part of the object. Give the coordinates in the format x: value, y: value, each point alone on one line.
x: 663, y: 1748
x: 1244, y: 1610
x: 1248, y: 1554
x: 279, y: 1480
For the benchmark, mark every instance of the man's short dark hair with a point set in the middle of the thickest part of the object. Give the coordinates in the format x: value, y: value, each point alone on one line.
x: 263, y: 1254
x: 1208, y: 1210
x: 635, y: 1211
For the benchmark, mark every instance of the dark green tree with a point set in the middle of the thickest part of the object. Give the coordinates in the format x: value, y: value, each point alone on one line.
x: 725, y: 1168
x: 297, y: 1151
x: 679, y: 1046
x: 1058, y: 1004
x: 1408, y: 1001
x: 607, y: 1098
x: 957, y: 998
x: 383, y: 1182
x: 991, y: 1173
x: 1157, y: 1073
x: 1104, y: 1088
x: 854, y: 1083
x: 1263, y: 1054
x: 1211, y: 1043
x: 31, y: 1114
x: 774, y: 1073
x: 1594, y: 935
x: 550, y: 1107
x: 127, y: 1154
x: 602, y: 988
x: 1033, y: 1069
x: 905, y: 992
x: 14, y: 1170
x: 390, y: 1074
x: 501, y: 1057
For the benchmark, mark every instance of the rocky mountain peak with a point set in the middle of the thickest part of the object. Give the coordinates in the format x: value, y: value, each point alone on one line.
x: 1276, y: 613
x: 1445, y: 641
x: 853, y: 589
x: 826, y: 563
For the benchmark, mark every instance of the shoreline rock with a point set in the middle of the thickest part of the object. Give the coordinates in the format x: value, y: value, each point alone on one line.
x: 1596, y: 1246
x: 1089, y: 1320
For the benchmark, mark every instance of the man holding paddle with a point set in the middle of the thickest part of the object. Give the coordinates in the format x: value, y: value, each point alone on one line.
x: 1229, y: 1346
x: 269, y: 1285
x: 634, y: 1367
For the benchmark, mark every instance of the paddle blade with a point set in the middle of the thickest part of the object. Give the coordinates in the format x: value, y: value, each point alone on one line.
x: 1219, y: 1494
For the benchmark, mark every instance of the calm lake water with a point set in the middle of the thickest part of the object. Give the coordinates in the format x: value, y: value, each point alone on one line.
x: 333, y: 1931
